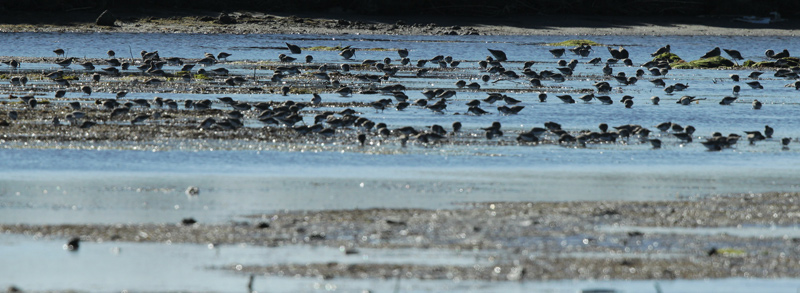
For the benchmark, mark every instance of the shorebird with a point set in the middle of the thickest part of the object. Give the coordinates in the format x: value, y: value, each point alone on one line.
x: 140, y: 118
x: 683, y: 136
x: 713, y: 53
x: 286, y: 58
x: 754, y: 136
x: 566, y: 99
x: 734, y: 77
x: 655, y: 100
x: 664, y: 126
x: 87, y: 65
x: 349, y: 53
x: 498, y: 54
x: 587, y: 98
x: 656, y: 143
x: 727, y: 100
x: 785, y: 142
x: 768, y: 131
x: 64, y: 63
x: 207, y: 61
x: 557, y: 53
x: 735, y: 55
x: 756, y: 105
x: 344, y: 91
x: 736, y: 89
x: 686, y: 100
x: 755, y: 74
x: 772, y: 55
x: 607, y: 70
x: 87, y: 90
x: 620, y: 53
x: 755, y: 85
x: 223, y: 55
x: 628, y: 103
x: 662, y: 50
x: 59, y: 52
x: 294, y: 49
x: 403, y: 53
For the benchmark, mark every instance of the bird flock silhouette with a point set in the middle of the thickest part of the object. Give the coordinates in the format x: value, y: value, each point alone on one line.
x: 317, y: 102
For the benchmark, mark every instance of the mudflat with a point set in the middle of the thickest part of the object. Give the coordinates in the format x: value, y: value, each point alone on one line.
x: 244, y: 22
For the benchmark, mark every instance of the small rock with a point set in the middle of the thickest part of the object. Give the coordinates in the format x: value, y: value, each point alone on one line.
x: 192, y: 191
x: 224, y: 18
x: 73, y: 244
x: 106, y: 19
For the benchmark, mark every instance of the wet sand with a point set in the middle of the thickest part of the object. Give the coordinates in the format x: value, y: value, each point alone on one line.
x: 529, y: 241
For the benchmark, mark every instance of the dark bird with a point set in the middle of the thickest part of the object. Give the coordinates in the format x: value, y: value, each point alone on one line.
x: 713, y: 53
x: 499, y: 55
x: 628, y: 104
x: 755, y: 85
x: 683, y: 136
x: 755, y: 74
x: 754, y: 136
x: 661, y: 50
x: 727, y: 100
x: 223, y: 55
x: 456, y: 126
x: 477, y: 111
x: 735, y: 55
x: 656, y: 143
x: 557, y: 52
x: 362, y: 139
x: 566, y: 99
x: 756, y: 105
x: 295, y: 49
x: 768, y: 131
x: 771, y: 54
x: 73, y: 244
x: 620, y: 53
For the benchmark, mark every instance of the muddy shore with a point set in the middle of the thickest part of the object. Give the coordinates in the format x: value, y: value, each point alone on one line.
x: 244, y: 22
x: 527, y: 241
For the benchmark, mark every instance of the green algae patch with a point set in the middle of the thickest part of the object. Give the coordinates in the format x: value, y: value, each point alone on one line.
x: 670, y: 57
x: 713, y: 62
x: 202, y: 77
x: 573, y: 43
x: 339, y: 48
x: 749, y: 63
x: 732, y: 252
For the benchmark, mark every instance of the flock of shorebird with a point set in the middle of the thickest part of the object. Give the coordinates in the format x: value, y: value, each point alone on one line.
x: 326, y: 123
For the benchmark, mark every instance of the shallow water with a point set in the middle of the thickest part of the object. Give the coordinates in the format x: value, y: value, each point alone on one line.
x: 116, y: 266
x: 129, y: 183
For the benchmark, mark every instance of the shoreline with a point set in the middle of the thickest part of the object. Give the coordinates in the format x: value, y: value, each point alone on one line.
x: 527, y: 238
x: 338, y: 23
